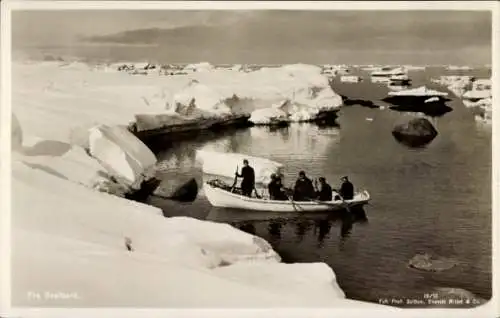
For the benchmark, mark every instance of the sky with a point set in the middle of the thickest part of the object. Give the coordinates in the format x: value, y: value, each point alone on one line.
x: 259, y: 36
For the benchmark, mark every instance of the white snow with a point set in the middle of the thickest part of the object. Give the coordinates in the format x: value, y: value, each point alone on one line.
x: 455, y: 83
x: 419, y: 91
x: 350, y: 79
x: 199, y: 96
x: 482, y: 84
x: 123, y: 155
x: 266, y: 116
x: 388, y: 71
x: 199, y: 67
x: 458, y: 68
x: 477, y: 94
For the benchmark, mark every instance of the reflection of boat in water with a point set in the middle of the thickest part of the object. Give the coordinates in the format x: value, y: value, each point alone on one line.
x: 220, y: 195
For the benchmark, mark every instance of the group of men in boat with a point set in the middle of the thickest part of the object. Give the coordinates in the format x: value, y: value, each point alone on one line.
x: 304, y: 189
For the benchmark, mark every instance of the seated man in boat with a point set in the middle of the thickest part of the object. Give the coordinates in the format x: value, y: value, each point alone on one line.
x: 346, y: 189
x: 275, y: 188
x: 304, y: 189
x: 324, y: 193
x: 248, y: 182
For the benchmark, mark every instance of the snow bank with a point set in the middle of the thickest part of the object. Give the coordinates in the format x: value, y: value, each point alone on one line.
x: 312, y: 278
x: 266, y: 116
x: 123, y: 155
x: 476, y: 94
x: 196, y: 96
x: 199, y: 67
x: 224, y: 165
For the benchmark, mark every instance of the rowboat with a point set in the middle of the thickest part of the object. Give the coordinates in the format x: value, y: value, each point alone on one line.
x: 221, y: 196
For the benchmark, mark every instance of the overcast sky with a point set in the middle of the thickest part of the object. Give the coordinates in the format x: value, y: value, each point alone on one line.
x: 356, y: 37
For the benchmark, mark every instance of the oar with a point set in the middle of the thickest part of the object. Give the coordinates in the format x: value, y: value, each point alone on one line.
x: 235, y: 179
x: 346, y: 204
x: 256, y: 193
x: 291, y: 201
x: 293, y: 204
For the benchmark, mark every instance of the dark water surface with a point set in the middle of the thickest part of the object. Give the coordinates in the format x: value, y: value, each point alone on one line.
x: 435, y: 200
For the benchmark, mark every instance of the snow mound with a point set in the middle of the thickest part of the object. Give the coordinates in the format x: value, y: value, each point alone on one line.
x: 65, y: 161
x: 196, y: 96
x: 199, y: 67
x: 231, y: 245
x: 311, y: 278
x: 419, y: 91
x: 273, y: 114
x: 224, y: 165
x: 124, y: 156
x: 477, y: 94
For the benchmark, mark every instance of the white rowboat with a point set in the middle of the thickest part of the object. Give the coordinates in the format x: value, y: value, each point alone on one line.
x: 225, y: 199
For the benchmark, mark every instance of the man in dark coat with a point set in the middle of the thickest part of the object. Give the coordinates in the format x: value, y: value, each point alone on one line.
x: 248, y: 182
x: 304, y: 189
x: 275, y: 188
x: 346, y: 189
x: 325, y: 191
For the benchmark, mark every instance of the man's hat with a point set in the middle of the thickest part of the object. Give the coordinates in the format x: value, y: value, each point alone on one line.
x: 344, y: 178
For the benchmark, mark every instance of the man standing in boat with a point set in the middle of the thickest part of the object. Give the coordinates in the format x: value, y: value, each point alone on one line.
x: 304, y: 189
x: 346, y: 189
x: 248, y: 182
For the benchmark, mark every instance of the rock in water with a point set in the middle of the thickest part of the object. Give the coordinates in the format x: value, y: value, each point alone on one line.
x: 186, y: 192
x: 426, y: 262
x: 415, y: 133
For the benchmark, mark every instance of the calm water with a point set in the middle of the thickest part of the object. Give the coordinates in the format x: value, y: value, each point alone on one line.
x: 435, y: 200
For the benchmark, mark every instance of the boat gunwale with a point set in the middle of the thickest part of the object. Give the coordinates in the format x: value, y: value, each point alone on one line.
x: 292, y: 202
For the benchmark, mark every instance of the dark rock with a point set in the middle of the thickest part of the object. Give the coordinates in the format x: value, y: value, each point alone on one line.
x: 430, y: 263
x: 146, y: 189
x: 360, y: 102
x: 327, y: 118
x: 186, y: 192
x: 415, y: 133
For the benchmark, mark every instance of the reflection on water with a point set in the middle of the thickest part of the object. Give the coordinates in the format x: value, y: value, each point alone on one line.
x: 303, y: 226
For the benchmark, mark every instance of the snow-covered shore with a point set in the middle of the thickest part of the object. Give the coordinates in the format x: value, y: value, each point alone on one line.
x: 74, y: 246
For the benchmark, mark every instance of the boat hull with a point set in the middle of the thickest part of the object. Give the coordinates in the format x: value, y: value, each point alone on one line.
x: 225, y: 199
